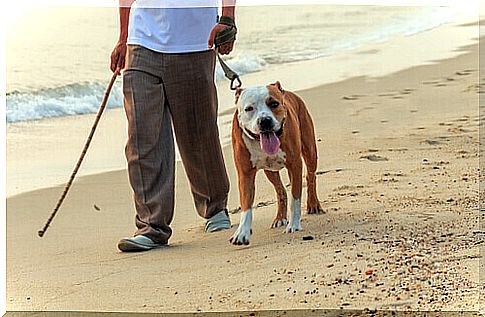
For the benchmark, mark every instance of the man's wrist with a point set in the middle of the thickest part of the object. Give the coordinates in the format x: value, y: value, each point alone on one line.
x: 227, y: 20
x: 229, y: 8
x: 123, y: 36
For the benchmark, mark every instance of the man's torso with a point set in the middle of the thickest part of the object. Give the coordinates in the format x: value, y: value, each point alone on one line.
x: 171, y: 26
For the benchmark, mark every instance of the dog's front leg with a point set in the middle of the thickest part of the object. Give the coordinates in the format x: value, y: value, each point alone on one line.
x: 246, y: 196
x: 295, y: 173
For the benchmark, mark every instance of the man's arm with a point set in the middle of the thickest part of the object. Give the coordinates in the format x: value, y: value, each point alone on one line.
x: 119, y: 52
x: 228, y: 8
x: 125, y: 7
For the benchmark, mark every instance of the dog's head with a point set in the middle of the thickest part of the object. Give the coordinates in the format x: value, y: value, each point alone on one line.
x: 261, y: 113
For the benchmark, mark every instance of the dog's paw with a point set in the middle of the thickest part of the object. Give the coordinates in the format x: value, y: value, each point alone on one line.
x: 313, y: 206
x: 315, y: 210
x: 279, y: 223
x: 293, y: 227
x: 241, y: 236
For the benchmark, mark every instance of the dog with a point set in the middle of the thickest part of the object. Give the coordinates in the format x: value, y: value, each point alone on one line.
x: 273, y: 129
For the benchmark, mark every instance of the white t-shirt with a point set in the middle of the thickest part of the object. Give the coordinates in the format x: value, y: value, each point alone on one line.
x: 172, y: 26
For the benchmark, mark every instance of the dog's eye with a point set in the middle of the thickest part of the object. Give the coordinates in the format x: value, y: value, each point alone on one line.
x: 249, y: 109
x: 273, y: 104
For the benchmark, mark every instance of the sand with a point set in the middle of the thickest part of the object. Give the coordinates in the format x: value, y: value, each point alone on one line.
x: 398, y: 177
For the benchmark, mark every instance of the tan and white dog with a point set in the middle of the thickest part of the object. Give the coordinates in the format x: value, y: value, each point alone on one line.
x: 272, y: 129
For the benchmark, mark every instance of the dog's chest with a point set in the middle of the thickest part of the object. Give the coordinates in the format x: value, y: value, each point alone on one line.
x: 261, y: 160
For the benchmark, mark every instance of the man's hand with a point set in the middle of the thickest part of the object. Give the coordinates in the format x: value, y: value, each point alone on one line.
x: 118, y: 57
x: 119, y: 52
x: 225, y: 48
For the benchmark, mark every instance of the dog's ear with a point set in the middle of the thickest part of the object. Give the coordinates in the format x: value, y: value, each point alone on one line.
x: 238, y: 93
x: 278, y: 85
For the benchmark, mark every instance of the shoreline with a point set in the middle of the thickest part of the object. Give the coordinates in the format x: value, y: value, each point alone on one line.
x: 66, y: 135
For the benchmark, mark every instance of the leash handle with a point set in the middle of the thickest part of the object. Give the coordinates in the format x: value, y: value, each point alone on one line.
x: 227, y: 35
x: 78, y: 165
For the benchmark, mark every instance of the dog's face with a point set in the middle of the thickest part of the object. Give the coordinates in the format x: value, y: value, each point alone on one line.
x: 261, y: 109
x: 261, y: 113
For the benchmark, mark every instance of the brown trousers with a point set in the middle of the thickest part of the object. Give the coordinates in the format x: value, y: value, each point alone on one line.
x: 162, y: 90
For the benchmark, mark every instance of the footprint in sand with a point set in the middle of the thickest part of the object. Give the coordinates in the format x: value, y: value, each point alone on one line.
x: 459, y: 130
x: 349, y: 98
x: 397, y: 94
x: 407, y: 91
x: 265, y: 203
x: 390, y: 177
x: 398, y: 149
x: 464, y: 72
x: 374, y: 158
x: 464, y: 119
x: 444, y: 138
x: 478, y: 88
x: 328, y: 171
x: 443, y: 81
x: 432, y: 142
x: 396, y: 174
x: 353, y: 97
x: 430, y: 82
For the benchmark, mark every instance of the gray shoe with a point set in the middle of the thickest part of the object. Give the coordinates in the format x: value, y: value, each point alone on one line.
x: 137, y: 244
x: 219, y: 221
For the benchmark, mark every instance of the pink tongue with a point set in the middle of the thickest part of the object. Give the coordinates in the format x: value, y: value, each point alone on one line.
x: 269, y: 142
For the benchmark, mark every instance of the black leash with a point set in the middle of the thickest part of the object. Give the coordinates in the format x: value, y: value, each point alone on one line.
x: 229, y: 73
x: 227, y: 35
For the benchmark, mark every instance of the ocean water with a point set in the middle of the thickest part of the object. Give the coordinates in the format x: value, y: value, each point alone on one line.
x: 57, y: 57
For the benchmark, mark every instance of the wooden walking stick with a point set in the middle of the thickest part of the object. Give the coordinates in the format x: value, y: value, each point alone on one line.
x: 85, y: 149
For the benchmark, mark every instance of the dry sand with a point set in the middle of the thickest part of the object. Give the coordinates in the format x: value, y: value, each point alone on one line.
x: 398, y: 176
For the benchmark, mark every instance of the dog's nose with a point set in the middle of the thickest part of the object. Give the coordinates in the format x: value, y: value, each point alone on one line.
x: 265, y: 124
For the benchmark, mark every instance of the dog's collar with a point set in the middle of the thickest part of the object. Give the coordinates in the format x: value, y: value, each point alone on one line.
x: 254, y: 136
x: 250, y: 135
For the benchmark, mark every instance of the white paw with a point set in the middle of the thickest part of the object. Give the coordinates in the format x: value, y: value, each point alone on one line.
x: 293, y: 227
x: 244, y: 231
x: 279, y: 223
x: 241, y: 236
x: 295, y: 221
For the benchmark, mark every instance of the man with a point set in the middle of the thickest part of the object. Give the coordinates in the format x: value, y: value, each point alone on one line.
x: 168, y: 79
